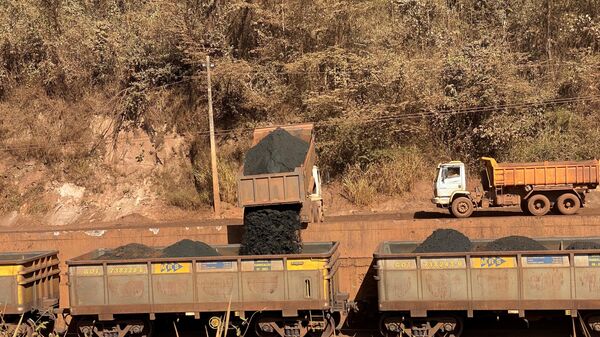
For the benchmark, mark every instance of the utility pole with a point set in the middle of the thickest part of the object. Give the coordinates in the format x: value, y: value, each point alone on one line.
x: 213, y: 150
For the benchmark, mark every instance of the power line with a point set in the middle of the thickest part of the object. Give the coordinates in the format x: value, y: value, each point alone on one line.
x: 340, y: 121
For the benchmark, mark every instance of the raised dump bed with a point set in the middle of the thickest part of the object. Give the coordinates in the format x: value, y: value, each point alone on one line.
x: 298, y: 189
x: 28, y: 287
x: 430, y: 292
x: 291, y: 286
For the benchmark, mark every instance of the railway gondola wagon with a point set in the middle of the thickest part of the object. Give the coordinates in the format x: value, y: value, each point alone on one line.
x: 29, y: 291
x: 278, y: 295
x: 431, y: 294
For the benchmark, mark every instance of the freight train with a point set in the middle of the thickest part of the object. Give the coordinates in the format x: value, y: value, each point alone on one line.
x: 292, y: 295
x: 298, y: 295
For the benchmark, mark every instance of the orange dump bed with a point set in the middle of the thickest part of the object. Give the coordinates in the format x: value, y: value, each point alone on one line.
x: 576, y: 173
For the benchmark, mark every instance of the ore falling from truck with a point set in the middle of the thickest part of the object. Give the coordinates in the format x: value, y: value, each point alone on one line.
x: 273, y: 230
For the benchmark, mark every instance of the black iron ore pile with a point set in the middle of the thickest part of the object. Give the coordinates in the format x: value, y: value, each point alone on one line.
x: 514, y: 243
x: 450, y: 240
x: 278, y: 152
x: 583, y: 245
x: 271, y: 231
x: 444, y: 241
x: 130, y: 251
x: 183, y: 248
x: 189, y: 248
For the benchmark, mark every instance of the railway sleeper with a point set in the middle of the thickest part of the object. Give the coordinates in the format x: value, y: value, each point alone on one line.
x: 395, y: 326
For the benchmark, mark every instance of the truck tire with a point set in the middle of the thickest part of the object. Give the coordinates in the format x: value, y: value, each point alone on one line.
x: 462, y: 207
x: 538, y: 204
x: 568, y: 204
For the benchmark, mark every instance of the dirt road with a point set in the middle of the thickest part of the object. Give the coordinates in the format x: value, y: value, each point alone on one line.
x: 441, y: 216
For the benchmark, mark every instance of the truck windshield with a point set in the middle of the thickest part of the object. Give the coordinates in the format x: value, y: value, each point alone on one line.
x: 451, y: 172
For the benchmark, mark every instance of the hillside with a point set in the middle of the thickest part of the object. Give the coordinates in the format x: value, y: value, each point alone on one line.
x: 103, y: 104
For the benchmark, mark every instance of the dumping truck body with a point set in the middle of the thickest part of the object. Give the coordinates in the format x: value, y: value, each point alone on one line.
x: 535, y: 187
x: 29, y: 288
x: 278, y: 293
x: 431, y: 294
x: 300, y: 188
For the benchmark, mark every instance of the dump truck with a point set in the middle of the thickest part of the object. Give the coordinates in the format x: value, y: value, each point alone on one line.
x: 291, y: 295
x: 299, y: 189
x: 431, y: 294
x: 29, y: 291
x: 535, y: 187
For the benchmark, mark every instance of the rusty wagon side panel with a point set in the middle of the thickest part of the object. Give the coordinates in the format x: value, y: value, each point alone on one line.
x: 505, y: 281
x: 575, y: 173
x: 286, y: 283
x: 279, y: 188
x: 28, y: 281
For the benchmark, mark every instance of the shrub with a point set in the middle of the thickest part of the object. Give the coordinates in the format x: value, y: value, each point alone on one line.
x: 358, y: 187
x: 394, y: 175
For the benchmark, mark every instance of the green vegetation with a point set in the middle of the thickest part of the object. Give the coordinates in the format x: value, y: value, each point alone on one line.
x: 393, y: 85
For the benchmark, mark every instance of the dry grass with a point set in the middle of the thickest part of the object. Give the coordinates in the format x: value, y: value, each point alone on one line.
x: 10, y: 199
x: 393, y: 176
x: 358, y: 187
x: 228, y: 171
x: 177, y: 187
x: 38, y: 327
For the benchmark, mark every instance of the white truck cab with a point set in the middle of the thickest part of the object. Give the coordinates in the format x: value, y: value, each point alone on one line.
x: 451, y: 179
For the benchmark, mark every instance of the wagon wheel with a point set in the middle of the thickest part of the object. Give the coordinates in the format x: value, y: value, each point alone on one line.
x: 382, y: 329
x: 327, y: 331
x: 137, y: 328
x: 456, y: 332
x: 266, y: 327
x: 591, y: 324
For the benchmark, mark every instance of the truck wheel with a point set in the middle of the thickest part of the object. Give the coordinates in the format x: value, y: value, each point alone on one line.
x: 538, y: 205
x: 568, y: 204
x: 462, y: 207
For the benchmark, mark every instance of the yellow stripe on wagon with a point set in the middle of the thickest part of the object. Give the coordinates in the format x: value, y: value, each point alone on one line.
x: 306, y: 264
x: 493, y: 262
x: 127, y: 269
x: 9, y: 270
x: 443, y: 263
x: 171, y: 268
